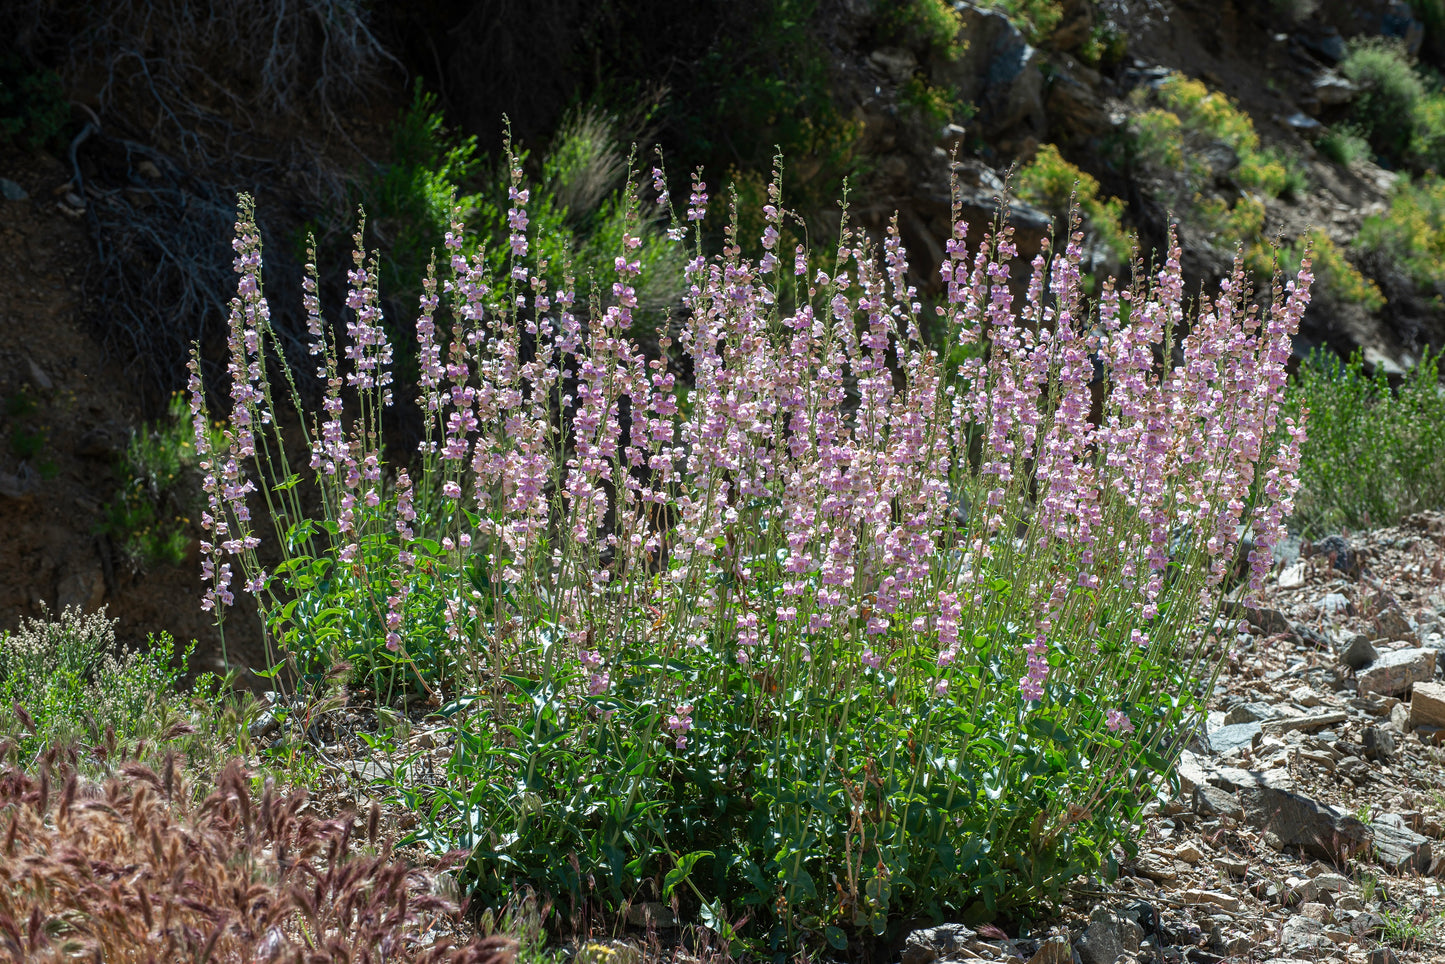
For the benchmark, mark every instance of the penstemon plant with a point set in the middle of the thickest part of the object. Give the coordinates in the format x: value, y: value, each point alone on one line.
x: 793, y: 624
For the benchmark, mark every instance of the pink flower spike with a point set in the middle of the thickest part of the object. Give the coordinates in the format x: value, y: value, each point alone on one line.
x: 1118, y: 722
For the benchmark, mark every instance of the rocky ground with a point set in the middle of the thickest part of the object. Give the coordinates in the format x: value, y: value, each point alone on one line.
x: 1308, y: 813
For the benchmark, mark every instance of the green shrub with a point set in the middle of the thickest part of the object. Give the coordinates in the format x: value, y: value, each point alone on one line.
x: 71, y: 680
x: 922, y: 23
x: 1411, y: 232
x: 1209, y: 112
x: 1401, y: 109
x: 769, y: 86
x: 1213, y: 115
x: 1106, y: 46
x: 29, y: 435
x: 793, y: 624
x: 1048, y: 182
x: 1157, y: 136
x: 1427, y: 146
x: 1391, y: 93
x: 1239, y: 223
x: 936, y: 106
x: 149, y: 518
x: 1036, y: 18
x: 1374, y: 454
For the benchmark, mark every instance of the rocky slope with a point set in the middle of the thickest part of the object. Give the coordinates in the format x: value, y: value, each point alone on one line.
x: 1278, y: 62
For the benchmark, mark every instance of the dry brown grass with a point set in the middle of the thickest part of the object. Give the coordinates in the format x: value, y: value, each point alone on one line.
x: 132, y: 871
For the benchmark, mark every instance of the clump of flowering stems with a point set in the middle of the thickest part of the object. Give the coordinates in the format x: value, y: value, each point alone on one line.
x: 134, y: 872
x: 826, y: 505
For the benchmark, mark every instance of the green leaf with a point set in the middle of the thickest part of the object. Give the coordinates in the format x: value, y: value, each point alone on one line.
x: 682, y: 871
x: 836, y: 938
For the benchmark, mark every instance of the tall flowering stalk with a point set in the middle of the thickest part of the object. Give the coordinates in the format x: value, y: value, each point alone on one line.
x: 934, y: 621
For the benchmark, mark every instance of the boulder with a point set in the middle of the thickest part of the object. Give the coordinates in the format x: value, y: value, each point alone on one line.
x: 1340, y: 553
x: 1074, y: 106
x: 1358, y: 653
x: 1108, y: 937
x: 1231, y: 737
x: 1297, y: 820
x: 1399, y: 850
x: 1427, y: 705
x: 998, y: 71
x: 1395, y: 672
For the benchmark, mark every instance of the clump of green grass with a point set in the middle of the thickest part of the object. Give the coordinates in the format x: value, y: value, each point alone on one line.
x: 1344, y: 145
x: 1374, y: 453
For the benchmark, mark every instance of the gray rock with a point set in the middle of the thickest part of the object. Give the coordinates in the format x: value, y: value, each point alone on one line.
x: 1286, y: 551
x: 82, y: 584
x: 101, y: 442
x: 894, y: 62
x: 1341, y: 555
x: 1271, y: 622
x: 1328, y: 45
x: 1226, y: 738
x: 1235, y: 779
x: 1211, y: 801
x: 1108, y: 937
x: 11, y: 190
x: 1334, y: 604
x: 38, y: 377
x: 1075, y: 108
x: 1395, y: 672
x: 264, y: 725
x: 1296, y: 820
x: 1379, y: 743
x: 1426, y: 706
x: 1303, y: 934
x: 931, y: 943
x: 1393, y: 624
x: 1304, y: 724
x: 1400, y: 850
x: 1303, y: 123
x: 1248, y: 713
x: 1331, y: 90
x: 18, y: 486
x: 1358, y: 652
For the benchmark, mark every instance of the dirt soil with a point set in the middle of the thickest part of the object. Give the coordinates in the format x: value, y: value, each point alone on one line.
x: 66, y: 415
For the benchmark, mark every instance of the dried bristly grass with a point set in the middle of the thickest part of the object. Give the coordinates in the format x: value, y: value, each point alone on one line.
x: 142, y: 875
